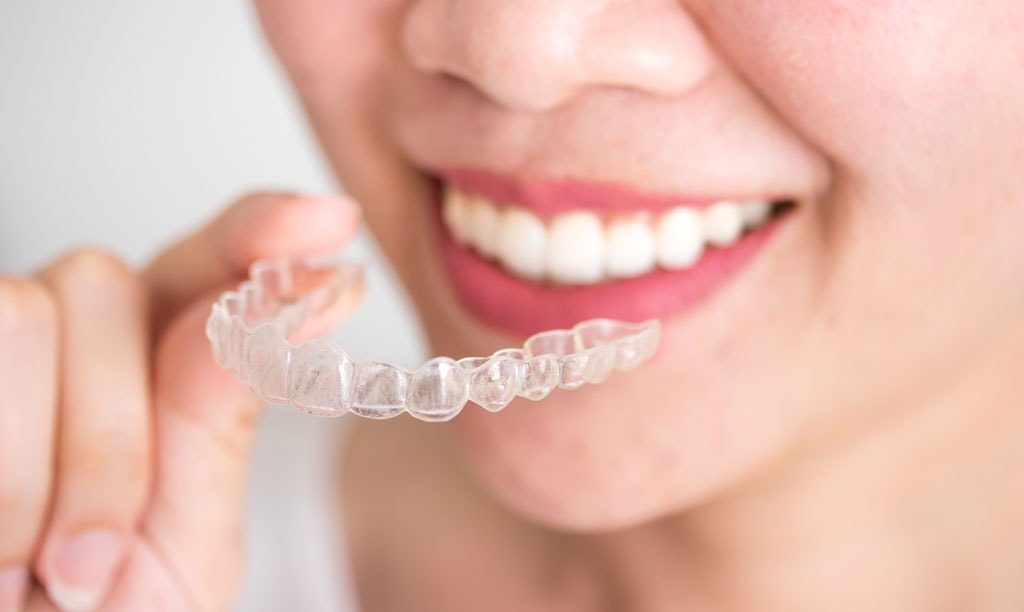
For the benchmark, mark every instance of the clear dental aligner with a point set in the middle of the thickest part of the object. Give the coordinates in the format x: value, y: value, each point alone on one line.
x: 248, y: 330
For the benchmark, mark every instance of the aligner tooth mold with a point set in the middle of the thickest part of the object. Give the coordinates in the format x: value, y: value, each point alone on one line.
x: 248, y: 330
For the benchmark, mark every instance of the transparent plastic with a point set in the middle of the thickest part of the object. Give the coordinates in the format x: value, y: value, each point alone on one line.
x: 249, y: 329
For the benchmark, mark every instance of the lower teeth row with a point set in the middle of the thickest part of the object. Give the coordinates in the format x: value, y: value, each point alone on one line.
x: 248, y: 330
x: 581, y: 248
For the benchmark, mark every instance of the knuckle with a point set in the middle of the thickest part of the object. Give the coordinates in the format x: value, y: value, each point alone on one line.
x: 98, y: 270
x: 18, y: 496
x: 118, y: 459
x: 95, y: 265
x: 25, y: 305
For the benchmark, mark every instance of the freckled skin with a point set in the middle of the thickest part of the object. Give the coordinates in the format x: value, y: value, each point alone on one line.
x: 894, y: 293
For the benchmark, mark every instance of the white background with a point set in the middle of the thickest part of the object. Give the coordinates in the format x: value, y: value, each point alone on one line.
x: 126, y: 123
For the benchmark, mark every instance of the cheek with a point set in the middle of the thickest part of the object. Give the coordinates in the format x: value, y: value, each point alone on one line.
x: 329, y: 46
x: 877, y: 83
x: 341, y: 57
x: 919, y: 105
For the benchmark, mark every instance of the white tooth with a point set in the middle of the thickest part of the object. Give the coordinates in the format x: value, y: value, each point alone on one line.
x: 723, y: 223
x: 629, y: 249
x: 521, y: 243
x: 455, y: 214
x: 483, y: 225
x: 755, y: 213
x: 680, y: 238
x: 575, y: 252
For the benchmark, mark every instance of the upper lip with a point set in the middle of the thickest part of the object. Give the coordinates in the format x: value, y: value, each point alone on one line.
x: 548, y: 197
x: 604, y: 151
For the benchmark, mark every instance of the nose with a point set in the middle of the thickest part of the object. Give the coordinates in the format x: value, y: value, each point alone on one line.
x: 534, y: 55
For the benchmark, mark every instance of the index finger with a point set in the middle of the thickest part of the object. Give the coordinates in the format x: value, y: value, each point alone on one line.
x: 255, y: 227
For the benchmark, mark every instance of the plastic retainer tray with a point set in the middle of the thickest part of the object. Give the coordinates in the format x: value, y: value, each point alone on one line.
x: 248, y: 330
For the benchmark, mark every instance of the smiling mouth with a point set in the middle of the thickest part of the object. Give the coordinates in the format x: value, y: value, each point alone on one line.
x: 585, y: 247
x: 528, y: 258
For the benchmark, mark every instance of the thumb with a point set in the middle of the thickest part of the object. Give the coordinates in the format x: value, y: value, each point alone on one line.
x: 204, y: 425
x: 258, y: 226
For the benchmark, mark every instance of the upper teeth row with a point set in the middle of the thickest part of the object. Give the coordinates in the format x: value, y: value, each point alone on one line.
x: 579, y: 247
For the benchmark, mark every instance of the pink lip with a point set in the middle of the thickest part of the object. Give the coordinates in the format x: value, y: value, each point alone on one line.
x: 551, y: 197
x: 523, y: 308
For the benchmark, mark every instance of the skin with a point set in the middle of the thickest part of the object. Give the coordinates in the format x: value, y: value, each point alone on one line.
x: 114, y: 418
x: 837, y: 427
x: 851, y: 385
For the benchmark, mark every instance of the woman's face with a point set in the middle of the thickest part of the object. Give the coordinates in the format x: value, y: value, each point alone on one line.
x: 896, y: 127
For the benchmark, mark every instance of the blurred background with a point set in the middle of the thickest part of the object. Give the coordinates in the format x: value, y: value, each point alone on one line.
x: 126, y: 123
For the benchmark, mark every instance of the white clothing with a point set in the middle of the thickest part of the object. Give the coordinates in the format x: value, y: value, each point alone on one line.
x: 294, y: 534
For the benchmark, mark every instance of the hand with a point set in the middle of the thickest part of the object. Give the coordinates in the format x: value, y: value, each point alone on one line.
x: 123, y: 447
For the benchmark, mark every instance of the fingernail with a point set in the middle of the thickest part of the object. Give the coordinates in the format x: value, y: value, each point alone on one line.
x: 13, y: 584
x: 82, y: 570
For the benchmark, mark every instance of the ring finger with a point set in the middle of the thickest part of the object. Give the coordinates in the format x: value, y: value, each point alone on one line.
x: 28, y: 373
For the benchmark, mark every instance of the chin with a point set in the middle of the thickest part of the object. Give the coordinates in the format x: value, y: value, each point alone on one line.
x: 578, y: 462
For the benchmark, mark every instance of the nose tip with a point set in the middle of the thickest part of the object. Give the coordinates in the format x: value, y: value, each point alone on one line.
x: 534, y: 55
x: 521, y: 58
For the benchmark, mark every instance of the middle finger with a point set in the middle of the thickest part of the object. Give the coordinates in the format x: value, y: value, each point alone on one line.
x: 103, y: 456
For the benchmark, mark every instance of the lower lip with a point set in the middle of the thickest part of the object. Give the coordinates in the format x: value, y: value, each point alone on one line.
x: 523, y: 308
